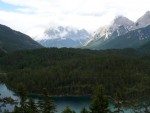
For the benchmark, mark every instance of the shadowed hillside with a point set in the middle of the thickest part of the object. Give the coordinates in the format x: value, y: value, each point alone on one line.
x: 11, y: 40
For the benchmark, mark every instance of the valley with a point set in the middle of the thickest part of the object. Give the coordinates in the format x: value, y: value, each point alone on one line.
x: 109, y: 67
x: 76, y: 72
x: 121, y: 33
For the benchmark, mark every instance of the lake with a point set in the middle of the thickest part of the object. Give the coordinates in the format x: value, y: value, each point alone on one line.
x: 75, y: 103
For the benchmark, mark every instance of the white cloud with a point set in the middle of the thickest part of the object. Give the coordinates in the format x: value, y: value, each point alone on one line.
x: 33, y: 16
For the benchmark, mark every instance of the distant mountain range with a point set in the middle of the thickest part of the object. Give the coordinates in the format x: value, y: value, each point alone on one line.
x: 61, y: 36
x: 11, y: 40
x: 121, y: 33
x: 132, y: 39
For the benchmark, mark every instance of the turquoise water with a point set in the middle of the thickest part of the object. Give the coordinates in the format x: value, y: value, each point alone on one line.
x: 75, y: 103
x: 7, y: 93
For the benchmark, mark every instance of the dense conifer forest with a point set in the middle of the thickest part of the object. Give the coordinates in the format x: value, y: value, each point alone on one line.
x: 77, y: 72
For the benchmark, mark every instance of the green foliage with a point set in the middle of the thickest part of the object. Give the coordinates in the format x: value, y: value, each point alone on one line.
x: 16, y: 110
x: 32, y: 107
x: 22, y: 93
x: 47, y: 105
x: 99, y: 102
x: 84, y: 110
x: 76, y: 72
x: 2, y: 52
x: 118, y: 102
x: 68, y: 110
x: 25, y: 105
x: 11, y: 40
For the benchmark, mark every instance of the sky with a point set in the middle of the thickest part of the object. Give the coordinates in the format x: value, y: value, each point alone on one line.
x: 32, y: 17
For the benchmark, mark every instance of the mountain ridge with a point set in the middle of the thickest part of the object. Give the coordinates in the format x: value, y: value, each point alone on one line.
x: 143, y: 21
x: 119, y: 26
x: 11, y: 40
x: 122, y: 36
x: 63, y: 36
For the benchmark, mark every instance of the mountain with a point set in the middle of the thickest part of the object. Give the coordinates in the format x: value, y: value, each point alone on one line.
x: 119, y: 26
x: 11, y: 40
x: 60, y: 36
x: 132, y: 39
x: 2, y: 52
x: 143, y: 21
x: 122, y: 33
x: 145, y: 47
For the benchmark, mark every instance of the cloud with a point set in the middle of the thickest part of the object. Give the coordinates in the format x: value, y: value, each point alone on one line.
x: 34, y: 16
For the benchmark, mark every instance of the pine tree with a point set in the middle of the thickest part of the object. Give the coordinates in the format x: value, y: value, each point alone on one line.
x: 99, y: 102
x: 32, y: 108
x: 16, y: 110
x: 68, y: 110
x: 47, y: 105
x: 118, y: 103
x: 84, y: 110
x: 22, y: 93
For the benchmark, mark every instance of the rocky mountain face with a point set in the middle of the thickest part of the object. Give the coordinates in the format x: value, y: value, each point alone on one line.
x: 11, y: 40
x: 142, y: 21
x: 60, y: 36
x: 132, y: 39
x: 121, y: 33
x: 117, y: 27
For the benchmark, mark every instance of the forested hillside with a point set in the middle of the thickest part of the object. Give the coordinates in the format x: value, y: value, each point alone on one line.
x: 11, y: 40
x: 78, y: 72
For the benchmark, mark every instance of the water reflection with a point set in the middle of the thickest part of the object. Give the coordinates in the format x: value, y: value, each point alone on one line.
x: 75, y: 103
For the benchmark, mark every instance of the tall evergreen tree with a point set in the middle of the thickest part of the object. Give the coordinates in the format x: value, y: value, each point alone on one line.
x: 47, y: 105
x: 22, y: 93
x: 16, y: 110
x: 118, y: 102
x: 32, y: 108
x: 99, y: 102
x: 68, y: 110
x: 84, y: 110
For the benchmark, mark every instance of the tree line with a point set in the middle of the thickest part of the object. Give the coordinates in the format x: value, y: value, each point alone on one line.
x: 99, y: 103
x: 77, y: 72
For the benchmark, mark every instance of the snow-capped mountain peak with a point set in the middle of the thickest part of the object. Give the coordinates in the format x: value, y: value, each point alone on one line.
x: 119, y: 26
x: 122, y: 33
x: 64, y: 32
x: 121, y: 21
x: 64, y: 36
x: 143, y: 21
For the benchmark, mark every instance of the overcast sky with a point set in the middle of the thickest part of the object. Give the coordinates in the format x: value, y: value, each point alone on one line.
x: 34, y: 16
